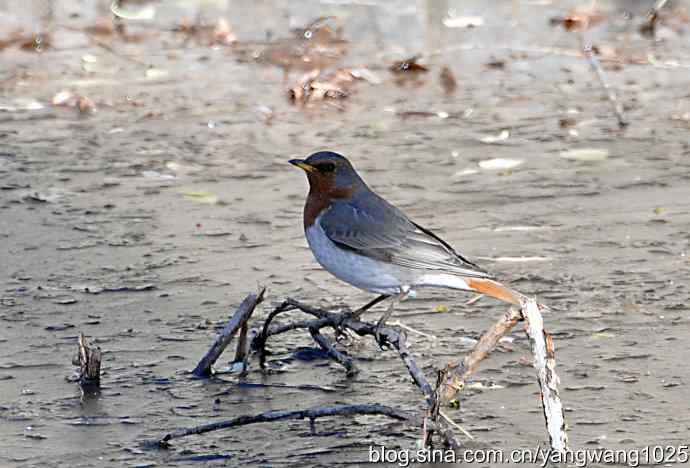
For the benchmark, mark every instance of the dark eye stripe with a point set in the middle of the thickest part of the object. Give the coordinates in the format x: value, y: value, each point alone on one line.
x: 325, y: 167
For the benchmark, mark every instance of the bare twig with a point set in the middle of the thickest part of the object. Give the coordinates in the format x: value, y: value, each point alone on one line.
x: 242, y: 350
x: 309, y: 413
x: 241, y: 316
x: 545, y: 364
x: 259, y: 343
x: 349, y: 320
x: 457, y: 426
x: 337, y: 356
x: 610, y: 93
x: 449, y: 381
x: 398, y: 323
x: 458, y: 372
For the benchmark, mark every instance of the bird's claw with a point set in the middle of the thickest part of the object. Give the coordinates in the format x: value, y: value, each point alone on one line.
x: 381, y: 340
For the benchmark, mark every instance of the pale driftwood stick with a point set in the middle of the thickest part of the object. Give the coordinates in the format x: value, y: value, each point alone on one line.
x: 242, y: 350
x: 459, y: 371
x: 610, y: 93
x: 89, y: 361
x: 545, y: 364
x: 337, y: 356
x: 241, y: 316
x: 309, y: 413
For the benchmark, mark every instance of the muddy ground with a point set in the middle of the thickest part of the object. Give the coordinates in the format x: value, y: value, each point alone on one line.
x: 144, y: 219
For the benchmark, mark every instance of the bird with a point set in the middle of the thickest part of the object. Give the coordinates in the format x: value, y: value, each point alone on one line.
x: 363, y: 240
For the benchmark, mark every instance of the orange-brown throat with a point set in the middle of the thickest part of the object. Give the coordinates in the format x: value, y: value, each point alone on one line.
x: 322, y: 191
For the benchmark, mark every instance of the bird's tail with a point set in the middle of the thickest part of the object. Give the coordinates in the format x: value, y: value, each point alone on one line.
x: 496, y: 290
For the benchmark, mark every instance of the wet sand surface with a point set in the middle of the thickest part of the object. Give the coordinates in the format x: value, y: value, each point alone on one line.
x: 145, y: 223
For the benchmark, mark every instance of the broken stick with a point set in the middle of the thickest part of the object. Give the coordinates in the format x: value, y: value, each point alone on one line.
x: 89, y: 361
x: 241, y: 316
x: 456, y: 373
x: 545, y: 364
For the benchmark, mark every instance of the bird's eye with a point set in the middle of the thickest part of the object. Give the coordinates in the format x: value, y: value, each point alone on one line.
x: 325, y: 167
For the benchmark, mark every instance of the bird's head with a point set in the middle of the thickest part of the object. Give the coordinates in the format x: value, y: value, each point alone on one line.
x: 329, y: 173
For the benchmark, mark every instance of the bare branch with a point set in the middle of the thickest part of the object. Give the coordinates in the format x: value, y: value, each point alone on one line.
x: 458, y: 372
x: 337, y: 356
x: 309, y: 413
x: 601, y: 76
x: 241, y: 316
x: 545, y: 364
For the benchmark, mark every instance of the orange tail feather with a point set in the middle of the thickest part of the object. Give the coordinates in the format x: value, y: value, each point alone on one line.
x: 495, y: 290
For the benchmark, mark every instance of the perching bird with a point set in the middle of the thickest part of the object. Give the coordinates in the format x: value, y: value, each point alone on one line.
x: 363, y: 240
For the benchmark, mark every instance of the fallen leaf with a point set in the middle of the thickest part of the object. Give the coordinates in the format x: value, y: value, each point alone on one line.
x: 465, y: 172
x: 319, y: 86
x: 490, y: 139
x: 579, y: 19
x: 441, y: 308
x: 586, y: 154
x: 202, y: 197
x: 147, y: 12
x: 499, y: 163
x: 156, y: 73
x: 408, y: 65
x: 567, y: 122
x: 463, y: 21
x: 36, y: 43
x: 321, y: 30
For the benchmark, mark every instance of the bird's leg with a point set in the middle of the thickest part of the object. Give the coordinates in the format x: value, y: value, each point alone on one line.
x: 369, y: 305
x: 391, y: 308
x: 342, y: 331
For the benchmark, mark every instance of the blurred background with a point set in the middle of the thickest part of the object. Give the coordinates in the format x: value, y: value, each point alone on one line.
x: 145, y: 191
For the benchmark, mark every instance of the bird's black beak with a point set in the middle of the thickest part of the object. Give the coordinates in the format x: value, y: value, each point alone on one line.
x: 302, y: 164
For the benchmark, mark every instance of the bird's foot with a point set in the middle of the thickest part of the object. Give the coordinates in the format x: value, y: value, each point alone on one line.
x: 381, y: 339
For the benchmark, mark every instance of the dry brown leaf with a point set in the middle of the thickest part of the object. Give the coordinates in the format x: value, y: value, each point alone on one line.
x: 36, y: 42
x: 448, y: 82
x: 495, y: 64
x: 324, y: 29
x: 85, y: 105
x: 581, y: 19
x: 408, y: 65
x: 567, y: 122
x: 315, y: 86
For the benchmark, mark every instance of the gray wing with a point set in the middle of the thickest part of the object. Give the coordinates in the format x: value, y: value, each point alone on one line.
x: 381, y: 231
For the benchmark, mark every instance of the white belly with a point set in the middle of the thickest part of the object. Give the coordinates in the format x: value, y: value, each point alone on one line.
x: 361, y: 272
x: 373, y: 275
